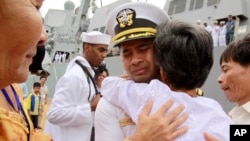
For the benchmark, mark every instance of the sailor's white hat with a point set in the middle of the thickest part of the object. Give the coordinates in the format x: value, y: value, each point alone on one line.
x: 198, y: 21
x: 96, y: 37
x: 222, y: 22
x: 134, y: 20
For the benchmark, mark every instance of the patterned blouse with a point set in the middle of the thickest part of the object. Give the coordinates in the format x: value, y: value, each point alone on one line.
x: 12, y: 126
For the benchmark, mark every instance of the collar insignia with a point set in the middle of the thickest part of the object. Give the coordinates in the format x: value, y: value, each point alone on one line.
x: 125, y: 17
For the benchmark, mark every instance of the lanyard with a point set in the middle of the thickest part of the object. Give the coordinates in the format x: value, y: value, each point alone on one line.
x: 88, y: 75
x: 20, y: 109
x: 9, y: 101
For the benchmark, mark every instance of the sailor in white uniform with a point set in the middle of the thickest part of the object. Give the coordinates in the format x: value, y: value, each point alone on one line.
x: 71, y: 115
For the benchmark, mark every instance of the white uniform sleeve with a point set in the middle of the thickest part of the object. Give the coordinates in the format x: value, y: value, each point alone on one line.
x: 204, y: 114
x: 69, y: 106
x: 131, y: 96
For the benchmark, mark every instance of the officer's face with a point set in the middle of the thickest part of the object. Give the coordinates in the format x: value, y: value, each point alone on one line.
x: 138, y: 59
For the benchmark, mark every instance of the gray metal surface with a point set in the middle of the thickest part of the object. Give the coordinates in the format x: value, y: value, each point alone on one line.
x: 65, y: 26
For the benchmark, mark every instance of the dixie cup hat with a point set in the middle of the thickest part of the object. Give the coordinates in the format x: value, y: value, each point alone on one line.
x: 96, y: 37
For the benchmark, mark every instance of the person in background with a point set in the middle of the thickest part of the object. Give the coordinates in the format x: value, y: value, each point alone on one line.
x: 191, y: 41
x: 34, y: 104
x: 71, y: 113
x: 207, y: 27
x: 100, y: 75
x: 25, y: 90
x: 235, y: 78
x: 133, y: 30
x: 222, y: 34
x: 198, y: 23
x: 230, y: 25
x: 16, y: 55
x: 215, y: 33
x: 44, y: 91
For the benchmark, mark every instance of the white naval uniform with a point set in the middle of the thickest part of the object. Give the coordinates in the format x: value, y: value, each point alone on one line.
x: 222, y: 36
x: 70, y: 117
x: 107, y: 123
x: 205, y: 114
x: 215, y: 35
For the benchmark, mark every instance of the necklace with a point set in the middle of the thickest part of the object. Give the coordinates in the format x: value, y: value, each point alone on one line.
x: 9, y: 100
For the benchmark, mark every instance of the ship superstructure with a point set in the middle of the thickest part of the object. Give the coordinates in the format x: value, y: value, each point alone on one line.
x: 64, y: 28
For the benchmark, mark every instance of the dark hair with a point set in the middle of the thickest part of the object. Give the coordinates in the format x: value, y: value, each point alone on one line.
x: 185, y: 53
x: 36, y: 84
x: 237, y: 51
x: 100, y: 70
x: 37, y: 60
x: 43, y: 77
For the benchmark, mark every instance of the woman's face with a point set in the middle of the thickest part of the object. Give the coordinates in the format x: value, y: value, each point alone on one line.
x: 21, y: 31
x: 100, y: 78
x: 234, y: 81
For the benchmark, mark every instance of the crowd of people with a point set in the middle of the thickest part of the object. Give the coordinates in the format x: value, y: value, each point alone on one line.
x: 222, y: 32
x: 156, y: 102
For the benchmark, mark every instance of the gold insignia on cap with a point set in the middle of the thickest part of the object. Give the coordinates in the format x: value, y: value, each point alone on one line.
x: 125, y: 17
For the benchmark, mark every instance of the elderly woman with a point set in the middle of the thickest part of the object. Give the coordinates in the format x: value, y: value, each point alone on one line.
x: 21, y: 32
x: 235, y: 78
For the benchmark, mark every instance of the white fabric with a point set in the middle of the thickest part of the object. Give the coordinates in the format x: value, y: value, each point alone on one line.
x: 241, y: 114
x: 44, y: 91
x: 70, y: 117
x: 208, y: 28
x: 204, y: 114
x: 222, y: 22
x: 215, y: 35
x: 222, y: 36
x: 107, y: 126
x: 96, y: 37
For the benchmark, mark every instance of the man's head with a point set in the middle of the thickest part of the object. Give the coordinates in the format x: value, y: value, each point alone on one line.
x: 133, y: 28
x: 95, y: 46
x: 36, y: 87
x: 43, y: 80
x: 198, y: 22
x: 215, y: 23
x: 235, y: 71
x: 185, y: 54
x: 222, y: 23
x: 205, y: 24
x: 230, y: 17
